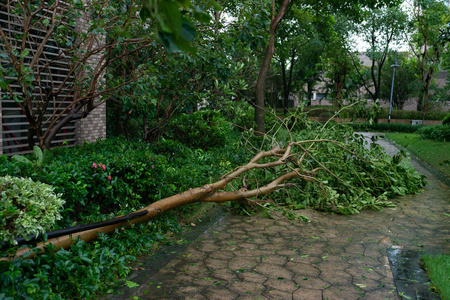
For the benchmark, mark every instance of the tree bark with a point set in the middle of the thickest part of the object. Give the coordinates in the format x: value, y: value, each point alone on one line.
x: 259, y: 90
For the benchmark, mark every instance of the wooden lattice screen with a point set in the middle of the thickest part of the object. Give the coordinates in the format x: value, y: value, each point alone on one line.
x: 51, y: 71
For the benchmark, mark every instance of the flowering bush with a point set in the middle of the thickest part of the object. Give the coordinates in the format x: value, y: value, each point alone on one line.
x: 26, y: 207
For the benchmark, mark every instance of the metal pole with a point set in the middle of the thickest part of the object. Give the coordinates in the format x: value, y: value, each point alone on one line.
x: 392, y: 86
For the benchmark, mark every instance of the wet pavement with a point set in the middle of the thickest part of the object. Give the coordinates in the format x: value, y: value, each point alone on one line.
x: 410, y: 279
x: 331, y: 257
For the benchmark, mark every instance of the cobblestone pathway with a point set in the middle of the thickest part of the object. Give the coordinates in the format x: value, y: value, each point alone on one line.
x: 331, y: 257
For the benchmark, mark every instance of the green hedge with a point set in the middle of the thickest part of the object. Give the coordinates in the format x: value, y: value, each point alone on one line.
x: 384, y: 127
x: 101, y: 178
x: 329, y: 111
x: 440, y: 132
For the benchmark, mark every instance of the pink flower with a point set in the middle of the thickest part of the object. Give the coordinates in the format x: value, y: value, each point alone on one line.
x: 129, y: 164
x: 94, y: 165
x: 109, y: 177
x: 153, y: 167
x: 103, y: 167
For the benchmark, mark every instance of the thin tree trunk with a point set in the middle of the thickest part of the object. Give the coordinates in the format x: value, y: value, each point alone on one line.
x: 259, y: 90
x: 309, y: 92
x: 285, y: 87
x: 287, y: 83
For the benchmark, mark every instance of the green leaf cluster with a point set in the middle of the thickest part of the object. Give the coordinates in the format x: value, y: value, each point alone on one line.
x: 173, y: 21
x: 39, y: 159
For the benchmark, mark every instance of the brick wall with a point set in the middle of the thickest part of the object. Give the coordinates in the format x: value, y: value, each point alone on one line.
x: 93, y: 126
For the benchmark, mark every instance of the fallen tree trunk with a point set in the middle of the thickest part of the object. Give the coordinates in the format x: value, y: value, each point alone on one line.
x: 360, y: 178
x: 207, y: 193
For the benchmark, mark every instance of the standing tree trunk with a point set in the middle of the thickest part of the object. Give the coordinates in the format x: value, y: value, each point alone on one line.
x: 285, y: 88
x: 259, y: 90
x: 339, y: 84
x: 309, y: 89
x: 287, y: 83
x: 426, y: 76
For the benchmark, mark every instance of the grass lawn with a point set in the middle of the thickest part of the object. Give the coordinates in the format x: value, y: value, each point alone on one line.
x: 433, y: 152
x: 438, y: 270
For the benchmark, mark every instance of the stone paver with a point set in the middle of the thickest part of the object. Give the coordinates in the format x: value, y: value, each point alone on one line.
x: 332, y: 257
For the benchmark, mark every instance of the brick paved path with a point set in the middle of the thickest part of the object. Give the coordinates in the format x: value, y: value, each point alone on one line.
x: 332, y: 257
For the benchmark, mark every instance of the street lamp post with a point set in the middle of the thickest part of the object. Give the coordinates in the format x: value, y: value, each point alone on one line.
x: 392, y: 86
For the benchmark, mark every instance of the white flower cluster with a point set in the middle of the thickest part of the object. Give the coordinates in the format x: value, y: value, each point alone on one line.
x: 26, y: 207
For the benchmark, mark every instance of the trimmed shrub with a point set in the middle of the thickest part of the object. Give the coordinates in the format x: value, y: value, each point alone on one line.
x: 440, y: 132
x: 412, y: 114
x: 26, y: 208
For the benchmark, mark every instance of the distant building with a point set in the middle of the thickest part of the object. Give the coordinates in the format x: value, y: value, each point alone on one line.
x: 319, y: 95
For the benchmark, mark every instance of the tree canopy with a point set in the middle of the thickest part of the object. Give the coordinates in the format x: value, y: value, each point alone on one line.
x: 150, y: 60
